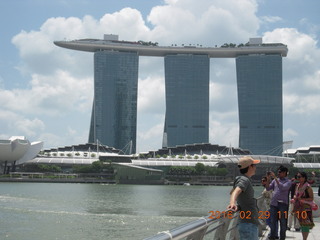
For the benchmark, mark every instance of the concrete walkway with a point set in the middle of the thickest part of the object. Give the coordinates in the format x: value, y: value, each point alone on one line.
x: 313, y: 235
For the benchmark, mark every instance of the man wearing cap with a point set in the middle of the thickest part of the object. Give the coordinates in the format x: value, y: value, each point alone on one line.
x: 280, y: 201
x: 243, y: 194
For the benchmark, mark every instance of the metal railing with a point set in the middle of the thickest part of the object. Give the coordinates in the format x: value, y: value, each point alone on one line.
x: 219, y: 228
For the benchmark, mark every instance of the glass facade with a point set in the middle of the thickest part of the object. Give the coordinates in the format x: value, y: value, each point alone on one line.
x: 187, y: 100
x: 259, y: 82
x: 114, y: 111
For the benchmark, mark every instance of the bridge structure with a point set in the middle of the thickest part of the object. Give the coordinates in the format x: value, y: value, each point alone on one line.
x: 187, y: 78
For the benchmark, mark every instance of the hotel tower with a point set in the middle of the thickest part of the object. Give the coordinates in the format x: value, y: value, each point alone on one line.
x: 114, y: 111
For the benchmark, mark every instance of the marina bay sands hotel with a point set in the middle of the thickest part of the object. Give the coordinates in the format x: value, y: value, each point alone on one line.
x: 114, y: 111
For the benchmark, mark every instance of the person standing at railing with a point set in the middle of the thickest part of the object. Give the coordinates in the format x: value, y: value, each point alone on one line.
x: 280, y: 201
x: 292, y: 219
x: 304, y: 204
x: 267, y: 201
x: 243, y: 194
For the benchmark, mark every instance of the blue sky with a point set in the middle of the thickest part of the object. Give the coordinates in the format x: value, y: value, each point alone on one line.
x: 46, y: 91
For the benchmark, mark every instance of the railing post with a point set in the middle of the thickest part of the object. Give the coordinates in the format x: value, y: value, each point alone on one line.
x: 198, y: 235
x: 262, y: 207
x: 233, y: 230
x: 222, y: 232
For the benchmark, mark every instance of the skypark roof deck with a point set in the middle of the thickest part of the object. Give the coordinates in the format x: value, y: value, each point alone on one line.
x: 94, y: 45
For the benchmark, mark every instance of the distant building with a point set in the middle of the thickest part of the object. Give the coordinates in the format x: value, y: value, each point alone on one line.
x: 259, y: 74
x: 305, y: 157
x: 68, y: 156
x: 259, y: 79
x: 187, y: 100
x: 17, y: 150
x: 114, y: 111
x: 195, y: 149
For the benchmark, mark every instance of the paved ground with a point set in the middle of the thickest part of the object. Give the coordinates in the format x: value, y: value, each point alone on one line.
x: 313, y: 235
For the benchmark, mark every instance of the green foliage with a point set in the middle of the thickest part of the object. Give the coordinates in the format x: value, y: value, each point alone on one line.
x: 182, y: 171
x: 293, y: 171
x: 41, y: 168
x: 148, y: 43
x: 212, y: 171
x: 200, y: 168
x: 229, y: 45
x: 95, y: 167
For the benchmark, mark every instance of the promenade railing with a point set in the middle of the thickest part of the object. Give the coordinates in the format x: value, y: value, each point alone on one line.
x: 218, y: 226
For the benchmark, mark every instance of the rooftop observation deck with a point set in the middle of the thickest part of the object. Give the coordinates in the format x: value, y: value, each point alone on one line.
x: 94, y: 45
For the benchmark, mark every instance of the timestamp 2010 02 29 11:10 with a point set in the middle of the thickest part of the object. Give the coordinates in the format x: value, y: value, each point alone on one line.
x: 261, y: 214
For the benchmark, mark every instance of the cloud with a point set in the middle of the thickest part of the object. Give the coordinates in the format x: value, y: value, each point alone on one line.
x: 16, y: 124
x: 151, y: 95
x: 313, y: 29
x: 300, y: 70
x: 128, y: 23
x: 28, y: 127
x: 289, y: 133
x: 270, y: 19
x: 224, y: 133
x: 49, y: 95
x: 301, y: 81
x: 211, y: 22
x: 60, y: 89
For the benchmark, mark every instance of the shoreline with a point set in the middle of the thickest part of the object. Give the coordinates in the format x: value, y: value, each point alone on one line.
x: 109, y: 181
x: 58, y: 180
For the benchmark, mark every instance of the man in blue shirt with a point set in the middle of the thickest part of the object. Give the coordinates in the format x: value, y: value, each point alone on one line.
x: 280, y: 201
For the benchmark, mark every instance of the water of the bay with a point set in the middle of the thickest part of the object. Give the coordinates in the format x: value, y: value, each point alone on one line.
x: 49, y: 211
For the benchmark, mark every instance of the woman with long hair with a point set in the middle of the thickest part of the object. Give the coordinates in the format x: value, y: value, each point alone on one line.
x: 303, y: 204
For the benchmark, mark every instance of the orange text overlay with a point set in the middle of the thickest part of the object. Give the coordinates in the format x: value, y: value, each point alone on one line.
x: 261, y: 214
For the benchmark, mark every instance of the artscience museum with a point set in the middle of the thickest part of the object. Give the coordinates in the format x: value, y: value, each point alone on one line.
x: 17, y: 150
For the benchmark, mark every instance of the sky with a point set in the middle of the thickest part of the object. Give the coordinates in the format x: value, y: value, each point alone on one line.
x: 46, y: 92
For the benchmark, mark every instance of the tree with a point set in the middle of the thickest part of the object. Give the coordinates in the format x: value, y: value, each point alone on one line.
x: 41, y: 168
x: 200, y: 168
x: 95, y: 167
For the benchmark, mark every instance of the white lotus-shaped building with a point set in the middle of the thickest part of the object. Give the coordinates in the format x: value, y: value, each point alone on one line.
x: 18, y: 149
